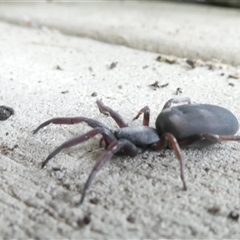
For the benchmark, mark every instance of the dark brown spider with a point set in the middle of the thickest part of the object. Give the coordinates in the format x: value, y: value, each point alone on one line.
x: 186, y: 125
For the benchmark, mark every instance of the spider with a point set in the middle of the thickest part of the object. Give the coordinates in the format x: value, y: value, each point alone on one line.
x: 184, y: 125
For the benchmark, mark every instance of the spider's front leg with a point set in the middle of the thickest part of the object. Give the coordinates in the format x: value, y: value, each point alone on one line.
x: 105, y: 132
x: 115, y: 116
x: 74, y: 120
x: 129, y: 149
x: 146, y: 115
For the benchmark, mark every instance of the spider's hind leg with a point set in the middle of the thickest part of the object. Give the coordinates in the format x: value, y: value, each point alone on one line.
x: 182, y: 101
x: 207, y: 139
x: 170, y: 139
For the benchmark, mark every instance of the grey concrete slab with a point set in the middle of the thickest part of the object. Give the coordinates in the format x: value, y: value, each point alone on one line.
x: 45, y: 74
x: 184, y: 30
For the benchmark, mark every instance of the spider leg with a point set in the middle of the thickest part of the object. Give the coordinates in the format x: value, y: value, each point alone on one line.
x: 107, y: 135
x: 116, y: 116
x: 146, y: 115
x: 169, y: 138
x: 210, y: 137
x: 172, y: 101
x: 91, y: 122
x: 128, y: 148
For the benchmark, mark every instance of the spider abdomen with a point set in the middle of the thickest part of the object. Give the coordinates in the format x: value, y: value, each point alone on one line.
x: 188, y: 120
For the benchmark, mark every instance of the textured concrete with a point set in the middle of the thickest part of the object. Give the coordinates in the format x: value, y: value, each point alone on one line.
x: 184, y: 30
x: 45, y: 74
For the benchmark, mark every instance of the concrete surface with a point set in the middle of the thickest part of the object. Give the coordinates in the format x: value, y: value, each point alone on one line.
x: 184, y: 30
x: 45, y: 74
